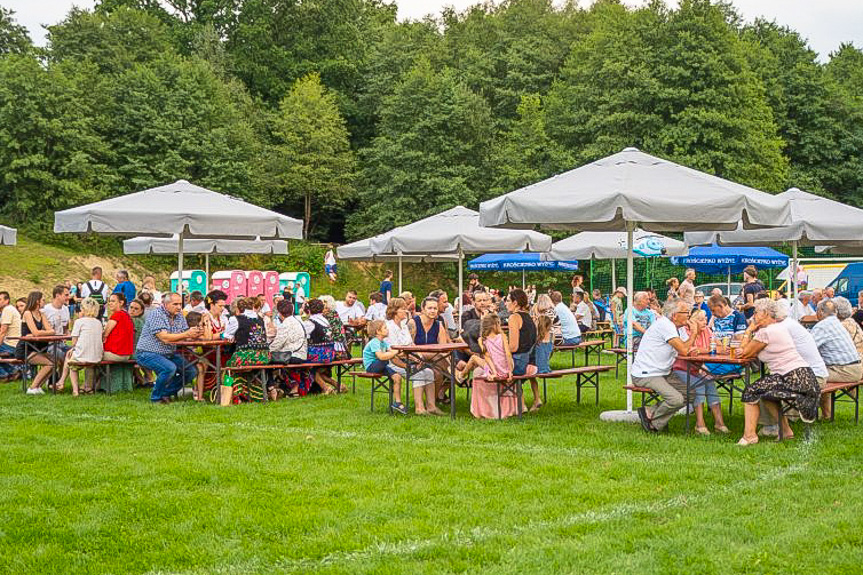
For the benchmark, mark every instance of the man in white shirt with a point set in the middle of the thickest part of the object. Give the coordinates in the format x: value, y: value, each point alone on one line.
x: 659, y: 347
x: 377, y: 308
x: 95, y: 285
x: 801, y: 307
x: 351, y: 311
x: 569, y: 329
x: 196, y: 303
x: 57, y: 310
x: 582, y: 312
x: 445, y: 310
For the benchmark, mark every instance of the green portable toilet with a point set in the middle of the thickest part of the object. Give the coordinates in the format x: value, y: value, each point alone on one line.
x: 193, y: 280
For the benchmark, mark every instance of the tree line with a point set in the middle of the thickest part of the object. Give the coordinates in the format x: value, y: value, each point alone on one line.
x: 336, y: 112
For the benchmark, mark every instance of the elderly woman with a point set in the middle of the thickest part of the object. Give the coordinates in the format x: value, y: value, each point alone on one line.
x: 844, y: 313
x: 522, y: 338
x: 321, y: 345
x: 791, y: 379
x: 119, y: 341
x: 340, y: 338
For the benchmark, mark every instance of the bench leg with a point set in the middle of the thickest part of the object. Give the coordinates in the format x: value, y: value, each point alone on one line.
x: 374, y: 386
x: 578, y: 384
x: 390, y: 386
x: 544, y: 381
x: 499, y: 392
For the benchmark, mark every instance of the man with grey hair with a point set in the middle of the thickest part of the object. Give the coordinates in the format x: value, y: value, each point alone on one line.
x: 801, y: 307
x: 686, y: 291
x: 642, y: 318
x: 836, y: 348
x: 659, y: 347
x: 124, y: 286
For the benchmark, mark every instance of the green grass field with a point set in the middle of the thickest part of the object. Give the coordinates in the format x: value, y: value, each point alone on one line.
x: 321, y: 485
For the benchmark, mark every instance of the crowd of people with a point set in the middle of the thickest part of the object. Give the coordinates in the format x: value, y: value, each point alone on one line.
x: 769, y: 330
x: 508, y: 333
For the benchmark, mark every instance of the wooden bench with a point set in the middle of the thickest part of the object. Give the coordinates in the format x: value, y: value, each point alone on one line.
x: 259, y: 372
x: 381, y: 383
x: 620, y: 353
x: 648, y: 396
x: 589, y: 346
x: 849, y: 390
x: 586, y: 376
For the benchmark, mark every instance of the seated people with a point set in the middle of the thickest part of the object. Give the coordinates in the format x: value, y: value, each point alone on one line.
x: 544, y: 317
x: 642, y: 318
x: 569, y: 330
x: 322, y: 345
x: 446, y: 312
x: 249, y: 333
x: 34, y: 323
x: 700, y: 379
x: 791, y: 379
x: 583, y: 314
x: 652, y: 368
x: 724, y: 323
x: 844, y: 313
x: 156, y: 350
x: 522, y: 337
x: 377, y: 307
x: 428, y: 329
x: 836, y: 348
x: 86, y: 346
x: 196, y: 303
x: 376, y: 359
x: 351, y: 312
x: 291, y: 346
x: 497, y: 364
x: 119, y: 341
x: 340, y: 339
x: 10, y: 331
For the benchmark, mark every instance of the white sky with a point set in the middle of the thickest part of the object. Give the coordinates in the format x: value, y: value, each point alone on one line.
x: 825, y: 23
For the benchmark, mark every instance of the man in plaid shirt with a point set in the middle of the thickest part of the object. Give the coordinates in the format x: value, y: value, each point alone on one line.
x: 836, y: 348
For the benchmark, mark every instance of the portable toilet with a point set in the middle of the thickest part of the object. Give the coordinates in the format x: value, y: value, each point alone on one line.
x: 271, y: 286
x: 254, y: 283
x: 238, y: 284
x: 300, y: 284
x: 222, y: 280
x: 193, y: 280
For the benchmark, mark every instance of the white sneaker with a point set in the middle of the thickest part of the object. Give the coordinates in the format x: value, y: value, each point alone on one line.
x: 35, y: 391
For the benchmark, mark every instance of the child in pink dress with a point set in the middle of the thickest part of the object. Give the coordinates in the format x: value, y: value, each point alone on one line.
x: 498, y: 364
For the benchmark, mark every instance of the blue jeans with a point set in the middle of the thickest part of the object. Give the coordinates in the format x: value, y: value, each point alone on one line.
x: 520, y: 362
x: 543, y: 356
x: 7, y: 370
x: 380, y: 366
x: 572, y: 341
x: 702, y: 386
x: 169, y: 369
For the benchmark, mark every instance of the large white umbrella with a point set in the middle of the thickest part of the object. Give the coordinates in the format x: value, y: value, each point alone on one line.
x: 815, y: 220
x: 180, y: 208
x: 630, y: 189
x: 144, y: 245
x: 8, y: 236
x: 456, y: 232
x: 612, y: 246
x: 361, y: 250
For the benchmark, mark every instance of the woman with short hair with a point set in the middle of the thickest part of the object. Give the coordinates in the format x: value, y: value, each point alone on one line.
x: 791, y: 380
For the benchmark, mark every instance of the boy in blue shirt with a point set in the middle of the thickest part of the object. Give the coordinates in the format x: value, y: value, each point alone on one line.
x: 376, y: 358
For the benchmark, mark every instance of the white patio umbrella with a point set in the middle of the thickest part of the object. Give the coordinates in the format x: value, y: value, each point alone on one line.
x: 180, y: 208
x: 456, y: 232
x: 361, y: 250
x: 815, y: 220
x: 8, y: 236
x: 612, y: 246
x: 144, y: 245
x: 631, y: 189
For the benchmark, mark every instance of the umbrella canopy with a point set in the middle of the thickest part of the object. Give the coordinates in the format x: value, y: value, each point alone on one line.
x: 632, y: 186
x: 815, y: 220
x: 361, y: 250
x: 150, y: 245
x: 612, y: 245
x: 453, y: 231
x: 178, y: 208
x: 630, y: 189
x: 520, y: 262
x: 8, y: 236
x: 722, y: 259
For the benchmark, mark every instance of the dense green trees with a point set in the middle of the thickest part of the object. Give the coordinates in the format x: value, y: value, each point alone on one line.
x: 334, y: 111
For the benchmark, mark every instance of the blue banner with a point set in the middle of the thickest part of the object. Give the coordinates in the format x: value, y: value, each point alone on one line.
x: 519, y: 262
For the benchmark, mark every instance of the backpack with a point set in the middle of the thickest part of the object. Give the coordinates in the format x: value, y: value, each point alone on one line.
x: 98, y: 296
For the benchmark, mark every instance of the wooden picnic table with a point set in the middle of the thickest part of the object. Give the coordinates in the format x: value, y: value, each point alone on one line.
x: 30, y: 342
x: 417, y: 358
x: 200, y: 348
x: 589, y: 346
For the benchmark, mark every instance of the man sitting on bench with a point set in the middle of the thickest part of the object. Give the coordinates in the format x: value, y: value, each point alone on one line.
x: 659, y: 347
x: 568, y: 325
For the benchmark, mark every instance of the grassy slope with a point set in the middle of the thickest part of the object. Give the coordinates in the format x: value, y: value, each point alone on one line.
x: 116, y: 485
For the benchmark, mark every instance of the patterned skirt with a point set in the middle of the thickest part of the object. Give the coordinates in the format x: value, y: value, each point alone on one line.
x: 797, y: 388
x: 243, y: 389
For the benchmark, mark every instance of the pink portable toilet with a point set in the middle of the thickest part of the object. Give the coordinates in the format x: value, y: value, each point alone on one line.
x: 221, y: 280
x: 271, y: 287
x: 238, y: 285
x: 254, y: 283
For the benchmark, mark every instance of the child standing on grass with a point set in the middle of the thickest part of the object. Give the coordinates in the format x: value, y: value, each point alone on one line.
x: 376, y: 359
x: 86, y: 346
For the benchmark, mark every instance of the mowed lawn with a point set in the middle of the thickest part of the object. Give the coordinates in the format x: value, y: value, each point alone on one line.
x: 321, y: 485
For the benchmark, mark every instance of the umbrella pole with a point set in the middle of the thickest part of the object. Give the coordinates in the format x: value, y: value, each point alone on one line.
x: 613, y: 276
x: 180, y: 266
x: 400, y: 274
x: 793, y: 275
x: 207, y: 268
x: 522, y: 279
x: 590, y: 263
x: 630, y: 227
x: 461, y: 284
x: 728, y: 284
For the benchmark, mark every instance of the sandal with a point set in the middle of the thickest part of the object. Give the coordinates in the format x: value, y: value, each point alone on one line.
x: 702, y: 431
x: 721, y: 429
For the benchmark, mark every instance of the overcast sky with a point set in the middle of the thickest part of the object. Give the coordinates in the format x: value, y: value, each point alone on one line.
x: 825, y: 23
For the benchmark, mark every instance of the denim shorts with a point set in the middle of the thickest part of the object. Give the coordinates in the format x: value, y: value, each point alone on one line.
x: 520, y: 362
x: 380, y: 366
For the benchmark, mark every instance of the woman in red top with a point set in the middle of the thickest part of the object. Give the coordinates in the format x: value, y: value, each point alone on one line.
x: 119, y: 332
